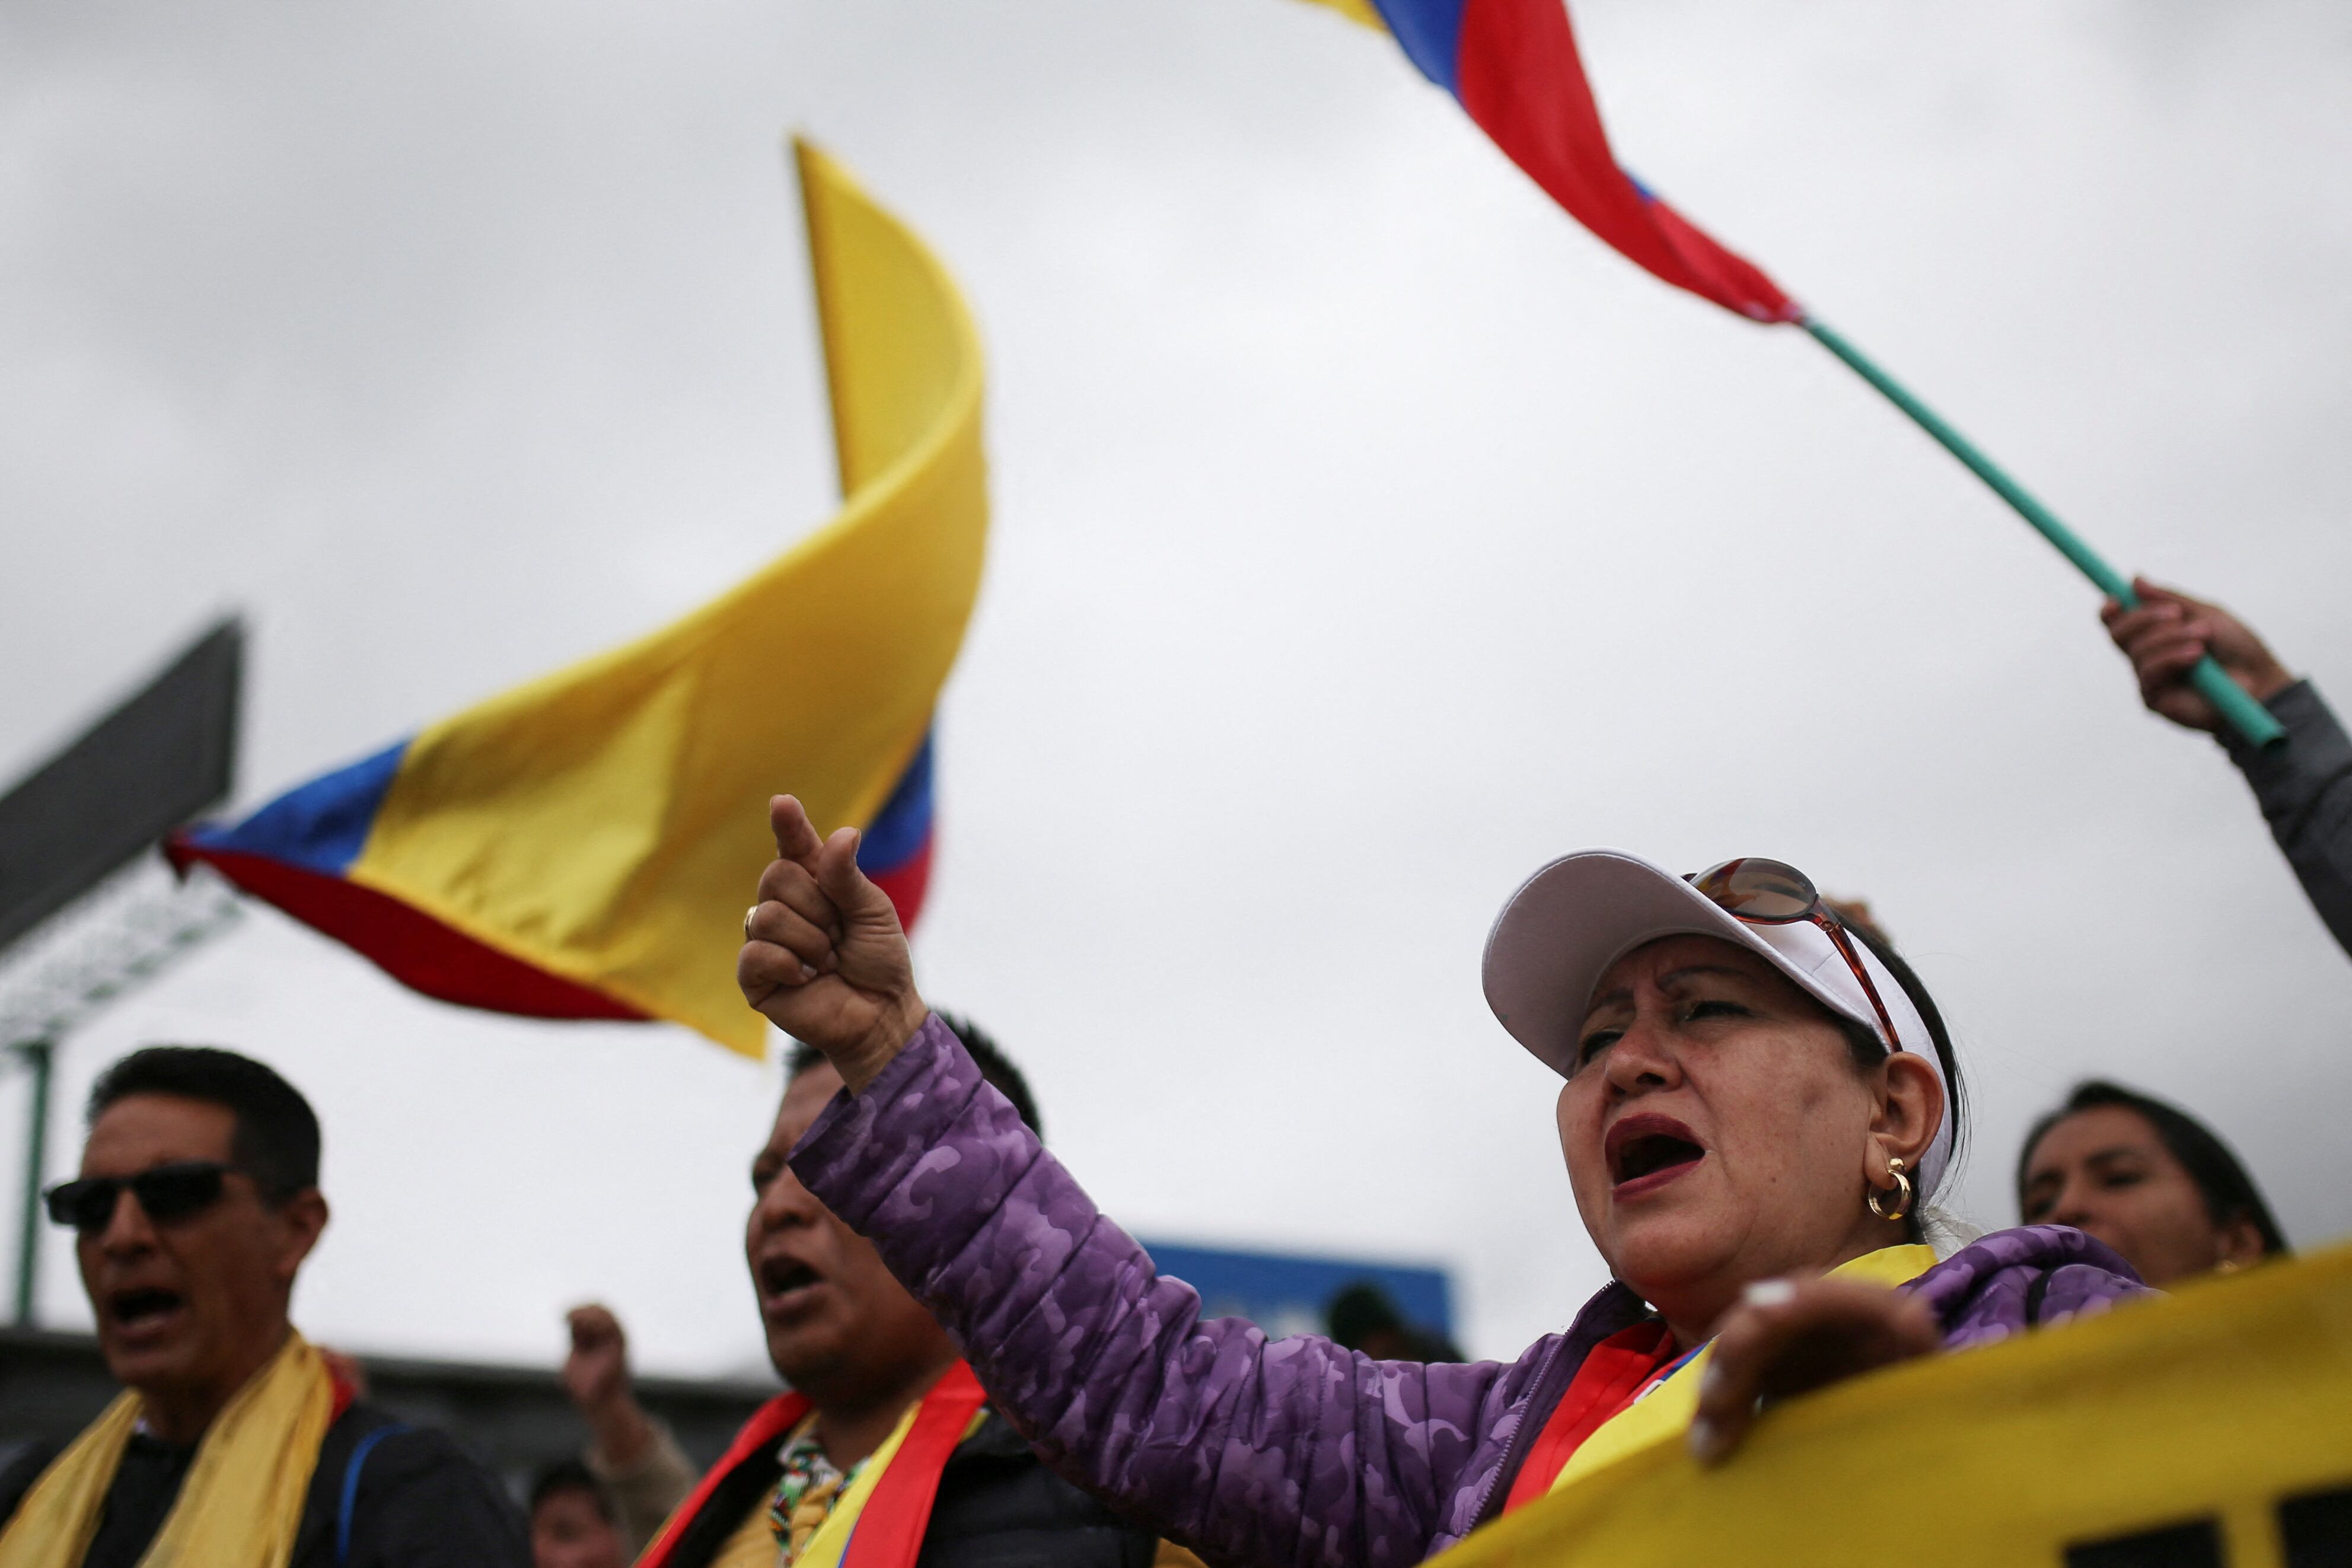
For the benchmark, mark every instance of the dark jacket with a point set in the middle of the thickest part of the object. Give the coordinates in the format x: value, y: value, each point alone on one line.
x: 998, y: 1507
x: 2304, y: 788
x: 1282, y: 1453
x: 415, y: 1500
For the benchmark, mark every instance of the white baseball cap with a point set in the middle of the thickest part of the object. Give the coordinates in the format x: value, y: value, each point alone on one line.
x: 1558, y: 934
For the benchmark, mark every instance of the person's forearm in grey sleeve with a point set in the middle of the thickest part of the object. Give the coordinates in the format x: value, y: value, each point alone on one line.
x: 2305, y: 791
x: 2305, y: 786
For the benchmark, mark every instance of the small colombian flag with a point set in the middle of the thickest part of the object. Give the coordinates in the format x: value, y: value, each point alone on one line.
x: 1513, y: 68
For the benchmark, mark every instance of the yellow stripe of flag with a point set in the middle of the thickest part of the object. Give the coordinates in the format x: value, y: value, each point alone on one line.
x: 607, y: 823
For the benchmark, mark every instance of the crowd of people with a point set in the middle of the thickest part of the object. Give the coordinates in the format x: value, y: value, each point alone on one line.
x: 1760, y: 1105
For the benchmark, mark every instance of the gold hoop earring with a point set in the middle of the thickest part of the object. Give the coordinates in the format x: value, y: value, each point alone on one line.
x: 1903, y: 1190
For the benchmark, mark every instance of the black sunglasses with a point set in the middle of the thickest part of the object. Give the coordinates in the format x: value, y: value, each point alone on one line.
x: 179, y: 1190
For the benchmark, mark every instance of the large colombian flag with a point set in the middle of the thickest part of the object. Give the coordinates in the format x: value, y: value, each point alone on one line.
x: 1513, y: 66
x: 583, y: 846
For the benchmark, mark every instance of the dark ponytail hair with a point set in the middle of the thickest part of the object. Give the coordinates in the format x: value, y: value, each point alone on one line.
x: 2229, y: 1192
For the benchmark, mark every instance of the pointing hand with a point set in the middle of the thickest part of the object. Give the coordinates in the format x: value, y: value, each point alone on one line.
x: 825, y: 957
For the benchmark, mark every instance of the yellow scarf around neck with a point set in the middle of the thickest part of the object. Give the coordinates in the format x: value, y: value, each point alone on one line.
x: 1665, y: 1411
x: 242, y: 1500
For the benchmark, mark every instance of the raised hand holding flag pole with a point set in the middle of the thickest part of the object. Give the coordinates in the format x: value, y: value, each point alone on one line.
x: 1513, y: 66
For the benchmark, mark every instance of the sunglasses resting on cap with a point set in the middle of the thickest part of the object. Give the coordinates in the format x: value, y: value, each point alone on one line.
x: 1772, y: 893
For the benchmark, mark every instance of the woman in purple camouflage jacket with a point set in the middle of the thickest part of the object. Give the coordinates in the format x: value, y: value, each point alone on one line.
x: 1754, y: 1096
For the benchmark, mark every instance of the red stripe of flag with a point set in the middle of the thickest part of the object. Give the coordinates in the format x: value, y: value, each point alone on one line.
x: 1517, y: 70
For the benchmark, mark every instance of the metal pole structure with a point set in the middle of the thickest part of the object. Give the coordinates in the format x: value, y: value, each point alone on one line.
x: 2245, y: 715
x: 127, y: 938
x: 38, y: 1056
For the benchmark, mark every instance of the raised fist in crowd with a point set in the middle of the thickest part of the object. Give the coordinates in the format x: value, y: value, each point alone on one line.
x: 596, y: 1376
x: 2165, y: 635
x: 824, y: 955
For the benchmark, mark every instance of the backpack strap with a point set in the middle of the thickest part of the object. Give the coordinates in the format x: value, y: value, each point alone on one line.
x: 350, y: 1493
x: 325, y: 1535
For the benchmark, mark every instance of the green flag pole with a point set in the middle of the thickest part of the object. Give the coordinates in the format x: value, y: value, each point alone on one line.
x: 2245, y: 715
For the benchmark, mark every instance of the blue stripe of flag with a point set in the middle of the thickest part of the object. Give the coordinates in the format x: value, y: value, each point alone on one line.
x: 322, y: 826
x: 1431, y: 32
x: 896, y: 833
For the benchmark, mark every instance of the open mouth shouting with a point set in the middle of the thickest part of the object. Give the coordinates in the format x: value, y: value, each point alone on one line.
x: 1647, y: 1151
x: 140, y: 1315
x: 788, y: 1285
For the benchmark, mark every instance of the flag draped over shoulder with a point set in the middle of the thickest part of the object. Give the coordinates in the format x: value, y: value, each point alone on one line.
x: 1513, y: 66
x: 584, y: 846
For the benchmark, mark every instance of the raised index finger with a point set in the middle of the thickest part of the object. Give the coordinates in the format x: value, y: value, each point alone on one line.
x: 797, y: 838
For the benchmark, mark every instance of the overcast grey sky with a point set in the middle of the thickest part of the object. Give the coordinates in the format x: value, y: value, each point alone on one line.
x: 1366, y: 535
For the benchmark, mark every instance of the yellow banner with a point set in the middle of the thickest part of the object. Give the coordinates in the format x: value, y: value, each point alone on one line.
x: 2210, y: 1427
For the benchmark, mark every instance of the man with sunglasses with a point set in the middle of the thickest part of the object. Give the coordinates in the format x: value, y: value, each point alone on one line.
x: 234, y: 1443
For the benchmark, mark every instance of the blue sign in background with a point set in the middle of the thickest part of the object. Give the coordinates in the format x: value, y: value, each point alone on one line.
x: 1287, y: 1294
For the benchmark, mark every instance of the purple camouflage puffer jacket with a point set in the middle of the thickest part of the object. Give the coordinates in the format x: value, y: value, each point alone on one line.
x: 1249, y: 1450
